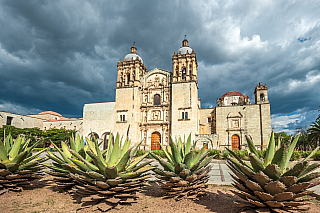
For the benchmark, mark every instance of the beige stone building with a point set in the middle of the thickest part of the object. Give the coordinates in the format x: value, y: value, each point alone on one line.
x: 160, y: 103
x: 43, y: 120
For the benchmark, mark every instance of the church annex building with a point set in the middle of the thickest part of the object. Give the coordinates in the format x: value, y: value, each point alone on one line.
x: 159, y: 103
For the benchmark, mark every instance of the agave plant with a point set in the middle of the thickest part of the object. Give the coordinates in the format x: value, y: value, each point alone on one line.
x: 185, y: 173
x: 18, y: 166
x: 60, y: 175
x: 273, y: 182
x: 106, y: 178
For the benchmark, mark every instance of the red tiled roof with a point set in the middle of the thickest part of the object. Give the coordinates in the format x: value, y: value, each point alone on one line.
x: 50, y: 112
x: 231, y: 93
x: 66, y: 119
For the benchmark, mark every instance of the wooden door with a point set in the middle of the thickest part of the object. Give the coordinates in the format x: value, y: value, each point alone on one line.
x: 235, y: 142
x: 155, y: 138
x: 206, y: 147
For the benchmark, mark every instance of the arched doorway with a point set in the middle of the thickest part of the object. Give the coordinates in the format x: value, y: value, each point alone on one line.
x: 205, y: 147
x: 93, y: 135
x: 235, y: 142
x: 105, y: 137
x: 155, y: 138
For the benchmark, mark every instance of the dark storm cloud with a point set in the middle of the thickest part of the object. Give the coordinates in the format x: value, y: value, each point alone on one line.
x: 58, y: 55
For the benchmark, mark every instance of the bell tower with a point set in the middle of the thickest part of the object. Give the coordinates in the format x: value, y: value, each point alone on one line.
x: 185, y: 102
x: 261, y: 94
x: 184, y: 63
x: 130, y: 69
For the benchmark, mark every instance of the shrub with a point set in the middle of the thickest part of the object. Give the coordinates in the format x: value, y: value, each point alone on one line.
x: 317, y: 156
x: 215, y: 152
x: 225, y: 154
x: 296, y: 155
x: 262, y: 153
x: 160, y: 153
x: 140, y: 153
x: 305, y: 154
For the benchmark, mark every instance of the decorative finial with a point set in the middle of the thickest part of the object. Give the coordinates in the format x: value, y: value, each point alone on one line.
x: 185, y: 36
x: 134, y: 43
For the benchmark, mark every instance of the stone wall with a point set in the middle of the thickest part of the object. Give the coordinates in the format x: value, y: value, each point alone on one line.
x: 98, y: 118
x: 185, y: 99
x: 128, y: 102
x: 75, y: 124
x: 213, y: 140
x: 205, y: 120
x: 20, y: 121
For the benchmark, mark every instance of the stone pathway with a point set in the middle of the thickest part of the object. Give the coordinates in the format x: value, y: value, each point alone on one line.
x: 219, y: 174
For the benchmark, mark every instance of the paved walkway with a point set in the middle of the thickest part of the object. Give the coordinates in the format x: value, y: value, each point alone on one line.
x: 219, y: 174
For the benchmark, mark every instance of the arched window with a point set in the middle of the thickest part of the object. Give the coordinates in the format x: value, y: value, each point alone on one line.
x: 156, y: 99
x: 262, y: 97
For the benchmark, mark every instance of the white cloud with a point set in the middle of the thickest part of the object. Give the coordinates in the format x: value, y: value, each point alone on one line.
x: 288, y: 122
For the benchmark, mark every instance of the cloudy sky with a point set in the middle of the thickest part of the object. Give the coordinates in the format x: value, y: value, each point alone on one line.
x: 58, y: 55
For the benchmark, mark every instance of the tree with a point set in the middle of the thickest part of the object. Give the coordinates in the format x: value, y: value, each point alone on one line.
x: 35, y: 134
x: 303, y: 142
x: 314, y: 134
x: 284, y: 137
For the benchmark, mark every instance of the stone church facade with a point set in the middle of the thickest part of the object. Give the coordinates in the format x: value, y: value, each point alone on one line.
x: 156, y: 104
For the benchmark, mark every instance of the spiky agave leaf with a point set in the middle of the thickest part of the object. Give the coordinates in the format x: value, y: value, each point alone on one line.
x: 111, y: 177
x: 184, y: 174
x: 272, y: 183
x: 60, y: 175
x: 18, y: 165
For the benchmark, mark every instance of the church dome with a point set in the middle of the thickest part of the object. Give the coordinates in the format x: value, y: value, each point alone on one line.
x: 185, y: 47
x: 231, y: 93
x: 133, y: 55
x: 183, y: 50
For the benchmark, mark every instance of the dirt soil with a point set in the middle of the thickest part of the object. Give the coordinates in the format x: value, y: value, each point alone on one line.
x: 42, y: 197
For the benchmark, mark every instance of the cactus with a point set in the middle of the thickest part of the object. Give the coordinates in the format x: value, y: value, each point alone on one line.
x: 106, y: 178
x: 273, y: 182
x: 18, y: 166
x: 185, y: 173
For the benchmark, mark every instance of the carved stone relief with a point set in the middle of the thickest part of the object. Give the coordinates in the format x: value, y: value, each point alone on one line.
x: 235, y: 123
x: 164, y: 81
x: 156, y: 115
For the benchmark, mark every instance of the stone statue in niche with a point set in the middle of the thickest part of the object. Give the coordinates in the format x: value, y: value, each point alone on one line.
x: 235, y: 123
x: 156, y: 81
x: 149, y: 82
x: 146, y: 98
x: 156, y: 115
x: 164, y: 81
